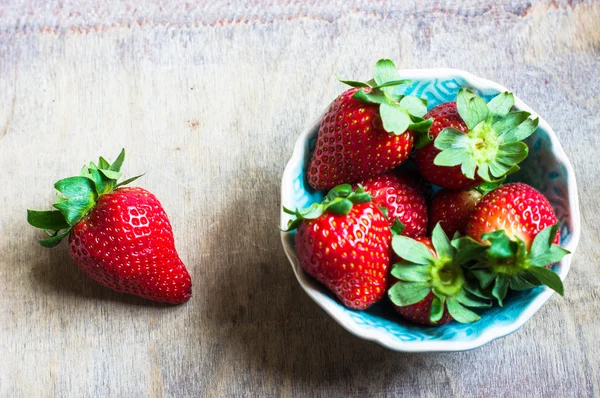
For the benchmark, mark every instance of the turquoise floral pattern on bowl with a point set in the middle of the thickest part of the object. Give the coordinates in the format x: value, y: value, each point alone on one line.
x: 546, y: 168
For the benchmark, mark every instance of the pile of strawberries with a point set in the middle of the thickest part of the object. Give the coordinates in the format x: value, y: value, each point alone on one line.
x: 417, y: 209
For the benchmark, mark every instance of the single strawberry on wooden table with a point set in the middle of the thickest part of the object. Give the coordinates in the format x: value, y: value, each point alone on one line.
x: 344, y: 243
x: 367, y: 130
x: 400, y: 196
x: 119, y: 236
x: 474, y: 142
x: 428, y: 284
x: 517, y: 229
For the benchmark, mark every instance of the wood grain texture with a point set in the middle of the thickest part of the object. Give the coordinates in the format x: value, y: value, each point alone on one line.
x: 208, y: 98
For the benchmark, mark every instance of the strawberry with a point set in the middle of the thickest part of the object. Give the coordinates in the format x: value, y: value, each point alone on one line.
x: 430, y: 286
x: 452, y: 209
x: 421, y: 312
x: 443, y: 116
x: 344, y: 243
x: 473, y: 141
x: 119, y: 236
x: 517, y: 228
x: 400, y: 196
x: 367, y: 130
x: 518, y: 209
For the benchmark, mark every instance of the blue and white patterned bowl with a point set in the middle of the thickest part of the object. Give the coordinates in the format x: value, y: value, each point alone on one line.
x: 547, y: 169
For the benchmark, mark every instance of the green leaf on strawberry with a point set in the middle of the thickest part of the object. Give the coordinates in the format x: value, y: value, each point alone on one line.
x: 414, y: 105
x: 471, y: 108
x: 404, y: 293
x: 339, y: 200
x: 492, y: 148
x: 47, y: 219
x: 77, y: 197
x: 399, y: 113
x: 395, y: 119
x: 397, y: 226
x: 504, y: 263
x: 352, y: 83
x: 374, y: 97
x: 385, y: 71
x: 501, y: 104
x: 433, y: 267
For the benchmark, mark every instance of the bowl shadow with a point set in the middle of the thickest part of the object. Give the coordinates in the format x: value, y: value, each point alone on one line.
x: 269, y: 320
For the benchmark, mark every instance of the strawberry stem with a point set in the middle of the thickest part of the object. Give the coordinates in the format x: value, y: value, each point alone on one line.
x: 339, y: 200
x: 78, y: 196
x: 505, y: 262
x: 420, y: 273
x: 493, y: 146
x: 398, y: 112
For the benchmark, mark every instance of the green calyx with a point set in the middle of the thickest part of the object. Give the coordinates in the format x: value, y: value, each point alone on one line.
x: 77, y: 197
x: 421, y: 273
x: 493, y: 147
x: 398, y: 112
x: 339, y: 200
x: 506, y: 263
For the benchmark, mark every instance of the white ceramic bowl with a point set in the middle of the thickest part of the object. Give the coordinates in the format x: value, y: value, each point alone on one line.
x: 547, y: 169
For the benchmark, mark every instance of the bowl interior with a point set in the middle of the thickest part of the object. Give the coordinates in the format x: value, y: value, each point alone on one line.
x: 546, y: 169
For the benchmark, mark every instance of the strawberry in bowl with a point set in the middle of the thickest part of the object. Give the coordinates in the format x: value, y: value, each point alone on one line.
x: 367, y: 130
x: 344, y: 242
x: 492, y: 139
x: 473, y: 141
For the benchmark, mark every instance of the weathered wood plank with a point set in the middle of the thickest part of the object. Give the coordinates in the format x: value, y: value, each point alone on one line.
x: 208, y: 98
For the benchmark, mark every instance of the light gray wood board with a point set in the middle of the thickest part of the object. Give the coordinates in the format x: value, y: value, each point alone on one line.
x: 208, y: 99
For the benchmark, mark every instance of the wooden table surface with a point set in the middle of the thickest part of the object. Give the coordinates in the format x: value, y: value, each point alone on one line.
x: 208, y: 98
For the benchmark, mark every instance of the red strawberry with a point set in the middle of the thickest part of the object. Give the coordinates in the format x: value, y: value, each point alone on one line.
x: 366, y: 131
x: 353, y: 144
x: 344, y: 243
x: 474, y: 141
x: 519, y: 231
x: 518, y: 209
x: 402, y: 197
x: 452, y: 209
x: 120, y: 237
x: 421, y: 312
x: 430, y: 287
x: 443, y: 116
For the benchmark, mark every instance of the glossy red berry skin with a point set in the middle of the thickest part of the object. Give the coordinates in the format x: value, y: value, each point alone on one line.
x: 419, y: 312
x: 452, y: 209
x: 517, y: 208
x: 444, y: 116
x: 353, y: 145
x: 402, y: 196
x: 349, y: 254
x: 126, y: 243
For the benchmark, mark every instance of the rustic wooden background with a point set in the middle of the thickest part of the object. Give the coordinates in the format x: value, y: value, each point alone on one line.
x: 208, y: 98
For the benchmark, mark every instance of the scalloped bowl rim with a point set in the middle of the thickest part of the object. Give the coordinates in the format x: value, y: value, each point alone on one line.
x: 381, y: 336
